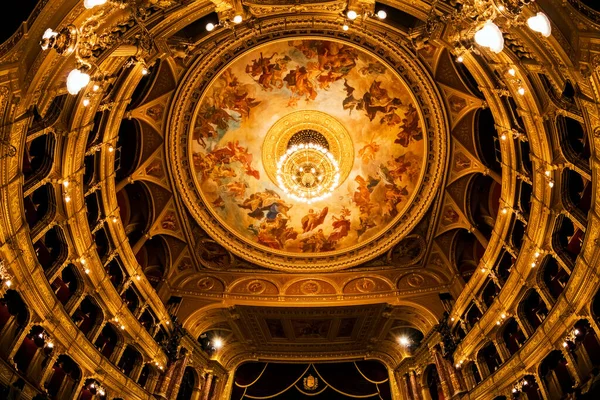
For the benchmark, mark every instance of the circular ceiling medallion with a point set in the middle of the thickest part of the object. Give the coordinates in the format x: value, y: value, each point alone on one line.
x: 307, y: 154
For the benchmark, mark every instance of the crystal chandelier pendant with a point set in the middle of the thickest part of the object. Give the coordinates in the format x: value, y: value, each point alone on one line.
x: 308, y: 172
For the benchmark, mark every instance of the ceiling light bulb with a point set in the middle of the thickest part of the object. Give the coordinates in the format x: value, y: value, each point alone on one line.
x: 210, y: 26
x: 345, y: 27
x: 122, y: 327
x: 482, y: 270
x: 95, y: 88
x: 67, y: 199
x: 76, y: 81
x: 93, y: 3
x: 403, y: 340
x: 576, y: 331
x: 381, y: 14
x: 352, y: 15
x: 460, y: 59
x: 503, y: 316
x: 551, y: 184
x: 66, y: 183
x: 86, y: 102
x: 548, y: 172
x: 82, y: 261
x: 540, y: 23
x: 512, y: 72
x: 87, y: 270
x: 490, y: 36
x: 237, y: 19
x: 565, y: 344
x: 50, y: 345
x: 217, y: 343
x: 145, y: 71
x: 521, y: 91
x: 503, y: 136
x: 501, y: 8
x: 138, y: 277
x: 114, y: 220
x: 111, y: 149
x: 8, y: 283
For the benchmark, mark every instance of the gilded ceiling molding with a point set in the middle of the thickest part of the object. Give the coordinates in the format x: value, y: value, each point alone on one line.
x: 207, y: 66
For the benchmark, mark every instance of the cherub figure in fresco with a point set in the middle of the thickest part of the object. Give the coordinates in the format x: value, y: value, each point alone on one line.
x: 236, y: 189
x: 267, y: 202
x: 350, y: 102
x: 313, y: 219
x: 275, y: 232
x: 409, y: 129
x: 368, y: 152
x: 337, y: 58
x: 270, y: 74
x: 398, y: 167
x: 377, y: 100
x: 233, y: 152
x: 210, y: 121
x: 341, y: 227
x: 233, y: 95
x: 375, y: 68
x: 366, y: 218
x: 315, y: 242
x: 393, y: 196
x: 364, y: 190
x: 299, y: 83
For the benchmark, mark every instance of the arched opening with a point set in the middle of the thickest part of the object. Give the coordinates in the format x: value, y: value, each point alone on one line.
x: 51, y: 249
x: 65, y: 377
x: 472, y: 368
x: 585, y: 349
x: 485, y: 139
x: 513, y: 336
x: 153, y: 258
x: 525, y: 198
x: 129, y: 142
x: 92, y: 204
x: 472, y: 315
x: 40, y: 206
x: 467, y: 253
x: 188, y: 383
x: 556, y: 376
x: 14, y: 316
x: 147, y: 320
x: 525, y: 157
x: 488, y: 356
x: 530, y: 389
x: 131, y: 299
x: 67, y: 284
x: 130, y: 359
x: 432, y: 380
x: 505, y: 266
x: 484, y: 198
x: 518, y: 232
x: 32, y: 352
x: 107, y: 340
x: 489, y: 292
x: 147, y: 372
x: 532, y: 310
x: 574, y: 141
x: 577, y: 194
x: 135, y: 209
x: 102, y: 243
x: 88, y: 316
x: 554, y: 276
x: 567, y: 240
x: 115, y: 273
x: 38, y: 158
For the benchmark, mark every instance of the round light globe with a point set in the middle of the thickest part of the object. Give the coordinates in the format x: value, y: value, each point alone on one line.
x: 352, y: 15
x: 210, y: 26
x: 540, y: 23
x: 490, y: 36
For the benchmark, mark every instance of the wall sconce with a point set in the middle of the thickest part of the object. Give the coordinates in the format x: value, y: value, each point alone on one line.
x: 226, y: 23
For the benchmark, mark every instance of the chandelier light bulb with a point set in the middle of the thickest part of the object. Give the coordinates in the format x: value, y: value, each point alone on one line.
x: 490, y: 36
x: 351, y: 15
x: 237, y: 19
x: 76, y: 81
x: 89, y: 4
x: 210, y: 27
x: 381, y: 14
x: 403, y: 340
x: 540, y: 23
x: 217, y: 343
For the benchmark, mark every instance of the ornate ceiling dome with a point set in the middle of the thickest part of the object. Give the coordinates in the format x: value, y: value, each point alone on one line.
x: 307, y: 153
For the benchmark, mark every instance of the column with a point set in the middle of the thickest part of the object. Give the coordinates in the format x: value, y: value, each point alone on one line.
x: 502, y: 350
x: 177, y: 377
x: 164, y: 382
x: 484, y: 371
x: 141, y: 310
x: 413, y: 385
x: 545, y: 298
x: 404, y: 387
x: 520, y: 323
x: 95, y: 332
x: 541, y: 385
x: 152, y: 381
x: 79, y: 386
x: 118, y: 352
x: 48, y: 368
x: 437, y: 357
x: 137, y: 370
x: 207, y: 386
x: 455, y: 378
x: 468, y: 376
x: 18, y: 340
x: 74, y: 303
x: 571, y: 366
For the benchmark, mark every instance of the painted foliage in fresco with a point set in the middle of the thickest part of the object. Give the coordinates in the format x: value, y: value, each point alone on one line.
x: 257, y: 90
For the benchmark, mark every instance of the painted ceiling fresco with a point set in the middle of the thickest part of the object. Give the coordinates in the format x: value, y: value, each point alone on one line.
x: 383, y: 147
